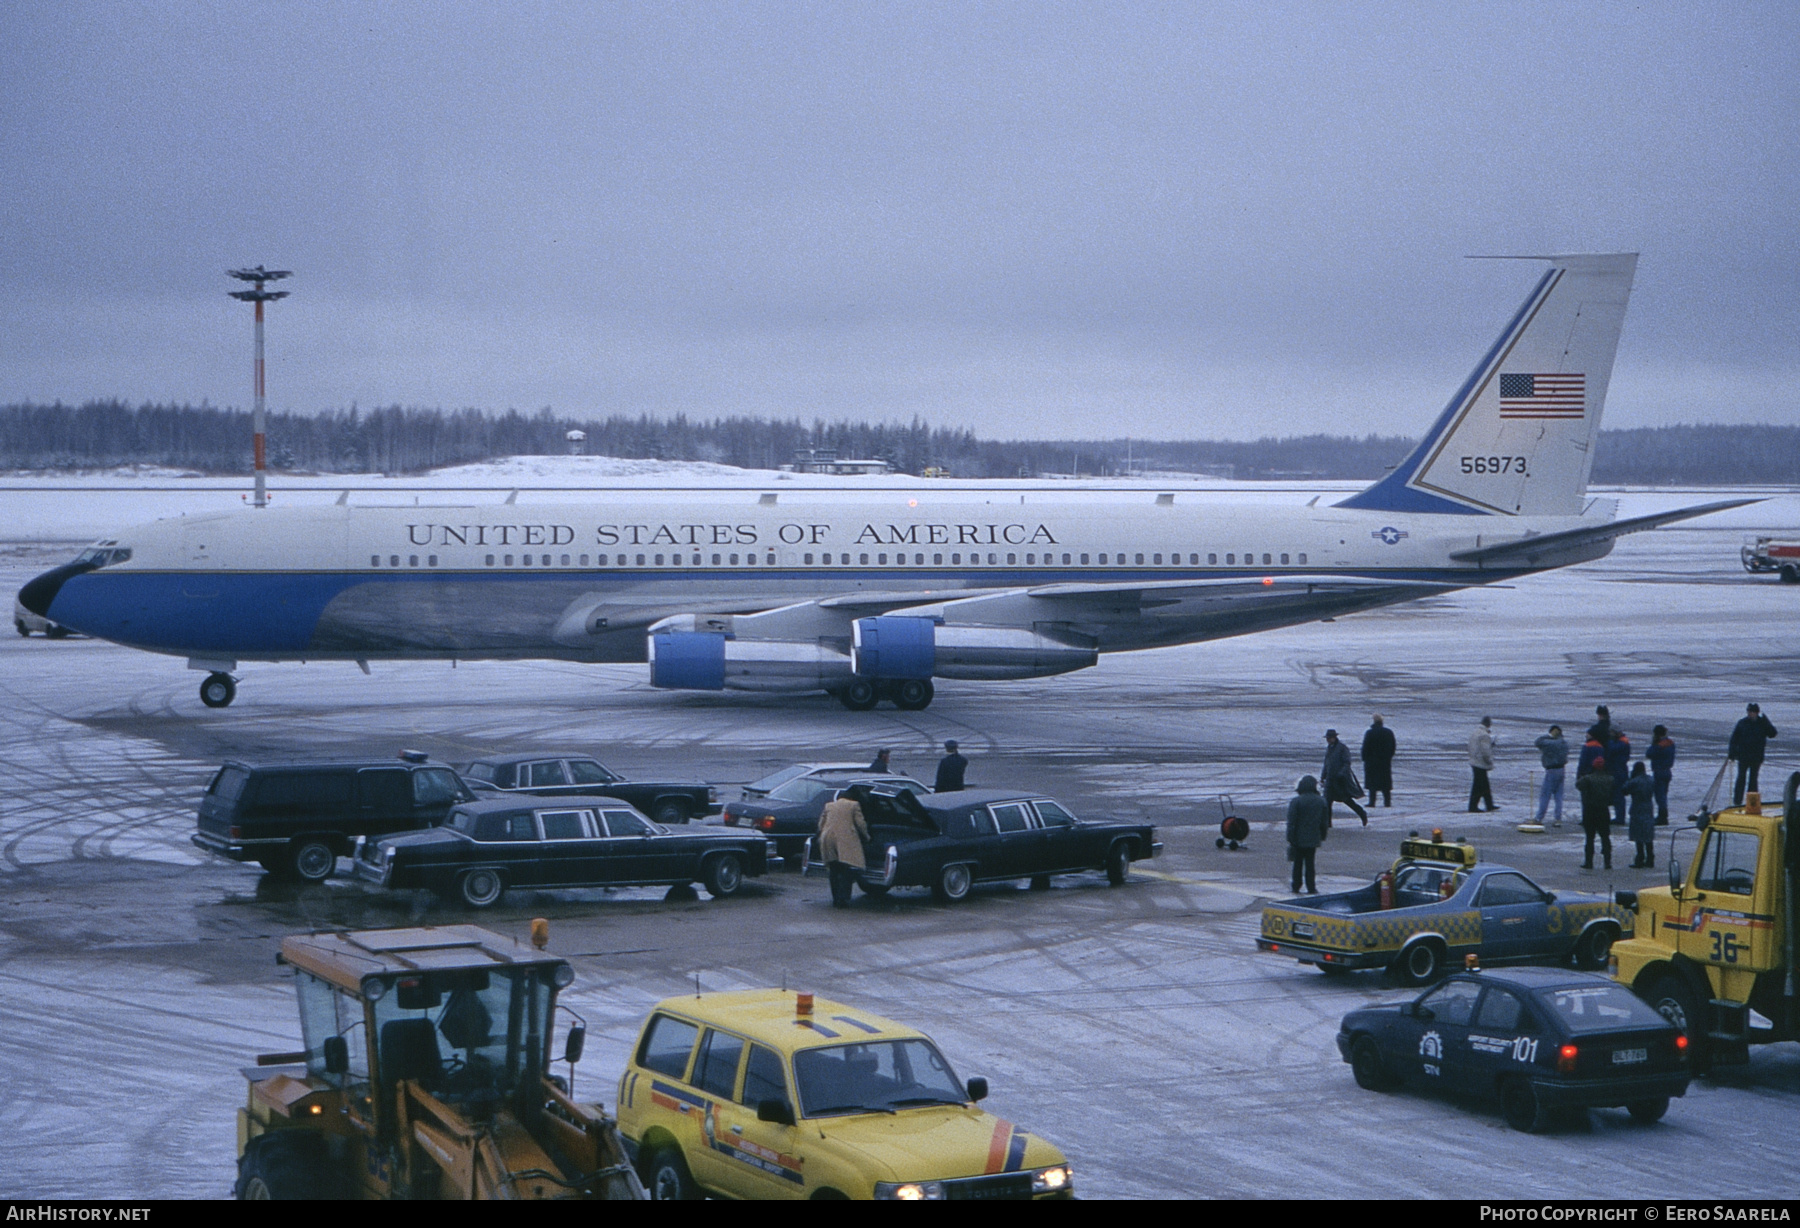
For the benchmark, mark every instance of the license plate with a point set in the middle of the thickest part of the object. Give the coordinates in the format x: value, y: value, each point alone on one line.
x: 1625, y: 1057
x: 1303, y: 929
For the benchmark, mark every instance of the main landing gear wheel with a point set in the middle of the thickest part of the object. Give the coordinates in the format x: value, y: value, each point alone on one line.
x: 913, y: 694
x: 860, y: 695
x: 218, y: 690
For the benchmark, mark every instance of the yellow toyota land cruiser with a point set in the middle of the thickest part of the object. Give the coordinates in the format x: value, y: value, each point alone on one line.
x: 774, y: 1094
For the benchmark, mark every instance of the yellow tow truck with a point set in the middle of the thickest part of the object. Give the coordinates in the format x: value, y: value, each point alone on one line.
x: 1714, y: 951
x: 426, y: 1074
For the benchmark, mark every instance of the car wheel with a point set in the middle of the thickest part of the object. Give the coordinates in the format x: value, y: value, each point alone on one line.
x: 314, y: 861
x: 875, y: 889
x: 953, y: 883
x: 481, y: 888
x: 1520, y: 1105
x: 218, y: 690
x: 1366, y: 1064
x: 669, y: 814
x: 287, y: 1164
x: 1592, y: 948
x: 1648, y: 1111
x: 1040, y: 882
x: 1790, y: 574
x: 669, y: 1180
x: 860, y: 695
x: 55, y: 632
x: 23, y: 629
x: 1674, y: 1001
x: 1421, y: 963
x: 1118, y: 864
x: 724, y: 875
x: 913, y: 695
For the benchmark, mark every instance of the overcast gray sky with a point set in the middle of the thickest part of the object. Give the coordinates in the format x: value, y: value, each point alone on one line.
x: 1034, y: 220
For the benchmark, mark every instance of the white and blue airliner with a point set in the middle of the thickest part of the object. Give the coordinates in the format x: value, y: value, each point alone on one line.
x: 876, y: 596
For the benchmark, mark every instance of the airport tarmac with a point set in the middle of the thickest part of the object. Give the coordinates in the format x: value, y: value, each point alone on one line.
x: 1137, y: 1026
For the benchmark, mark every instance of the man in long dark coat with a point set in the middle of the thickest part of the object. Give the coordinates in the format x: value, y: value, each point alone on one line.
x: 1378, y: 761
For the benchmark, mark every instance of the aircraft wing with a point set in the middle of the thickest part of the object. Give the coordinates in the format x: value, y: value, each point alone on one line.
x: 1528, y: 551
x: 1128, y: 615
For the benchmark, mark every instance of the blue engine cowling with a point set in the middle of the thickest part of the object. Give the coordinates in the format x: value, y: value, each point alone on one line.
x: 897, y: 647
x: 714, y: 661
x: 894, y: 647
x: 688, y: 660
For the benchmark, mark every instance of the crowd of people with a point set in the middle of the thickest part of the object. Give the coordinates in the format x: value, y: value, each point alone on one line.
x: 1611, y: 785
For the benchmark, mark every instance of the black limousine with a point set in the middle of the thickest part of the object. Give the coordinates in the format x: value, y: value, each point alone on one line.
x: 568, y: 774
x: 487, y: 846
x: 950, y: 841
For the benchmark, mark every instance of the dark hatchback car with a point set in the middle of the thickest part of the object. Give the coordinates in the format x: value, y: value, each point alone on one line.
x: 789, y: 812
x: 488, y: 846
x: 567, y: 774
x: 951, y: 841
x: 1539, y: 1040
x: 297, y: 819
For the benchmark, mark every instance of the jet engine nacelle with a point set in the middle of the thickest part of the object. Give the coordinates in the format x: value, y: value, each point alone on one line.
x: 711, y: 661
x: 899, y: 647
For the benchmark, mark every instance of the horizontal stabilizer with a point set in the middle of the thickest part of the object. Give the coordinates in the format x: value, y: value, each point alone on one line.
x: 1526, y: 550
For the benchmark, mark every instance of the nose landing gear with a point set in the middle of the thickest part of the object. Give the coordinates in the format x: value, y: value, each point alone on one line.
x: 218, y: 690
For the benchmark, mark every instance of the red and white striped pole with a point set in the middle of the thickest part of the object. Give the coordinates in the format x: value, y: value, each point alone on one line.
x: 258, y: 420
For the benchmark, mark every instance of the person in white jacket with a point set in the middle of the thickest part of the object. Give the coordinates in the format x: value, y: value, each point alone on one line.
x: 1481, y: 762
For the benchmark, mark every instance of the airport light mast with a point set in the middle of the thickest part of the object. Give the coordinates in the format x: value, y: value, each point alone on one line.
x: 258, y: 423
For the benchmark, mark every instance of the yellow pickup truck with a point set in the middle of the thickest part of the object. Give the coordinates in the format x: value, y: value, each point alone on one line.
x: 1435, y: 905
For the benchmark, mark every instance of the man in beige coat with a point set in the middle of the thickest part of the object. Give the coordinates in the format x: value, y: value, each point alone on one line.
x: 842, y: 831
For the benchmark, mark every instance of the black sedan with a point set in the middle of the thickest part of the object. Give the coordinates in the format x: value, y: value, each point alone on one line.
x: 487, y: 846
x: 950, y: 841
x: 1539, y: 1040
x: 568, y: 774
x: 789, y: 812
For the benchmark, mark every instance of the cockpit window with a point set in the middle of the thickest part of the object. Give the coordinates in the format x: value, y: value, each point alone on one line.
x: 104, y: 557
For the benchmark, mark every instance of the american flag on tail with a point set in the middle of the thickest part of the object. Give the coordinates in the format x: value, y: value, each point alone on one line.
x: 1543, y: 396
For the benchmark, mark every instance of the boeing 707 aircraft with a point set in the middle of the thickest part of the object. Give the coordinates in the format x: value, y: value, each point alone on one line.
x: 876, y: 596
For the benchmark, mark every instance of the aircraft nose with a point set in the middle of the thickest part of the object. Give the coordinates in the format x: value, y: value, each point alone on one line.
x: 37, y: 594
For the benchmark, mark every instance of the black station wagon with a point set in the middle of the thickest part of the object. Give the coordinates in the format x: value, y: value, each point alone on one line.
x: 1539, y: 1040
x: 488, y: 846
x: 950, y: 841
x: 297, y: 819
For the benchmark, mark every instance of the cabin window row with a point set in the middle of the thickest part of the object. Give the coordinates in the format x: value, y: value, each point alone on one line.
x: 863, y: 559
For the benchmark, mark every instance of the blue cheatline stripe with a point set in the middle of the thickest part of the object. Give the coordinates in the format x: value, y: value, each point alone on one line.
x: 1015, y: 1152
x: 820, y: 1028
x: 276, y: 614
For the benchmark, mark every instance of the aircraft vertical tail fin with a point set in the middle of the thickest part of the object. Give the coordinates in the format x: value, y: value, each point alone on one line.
x: 1517, y: 439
